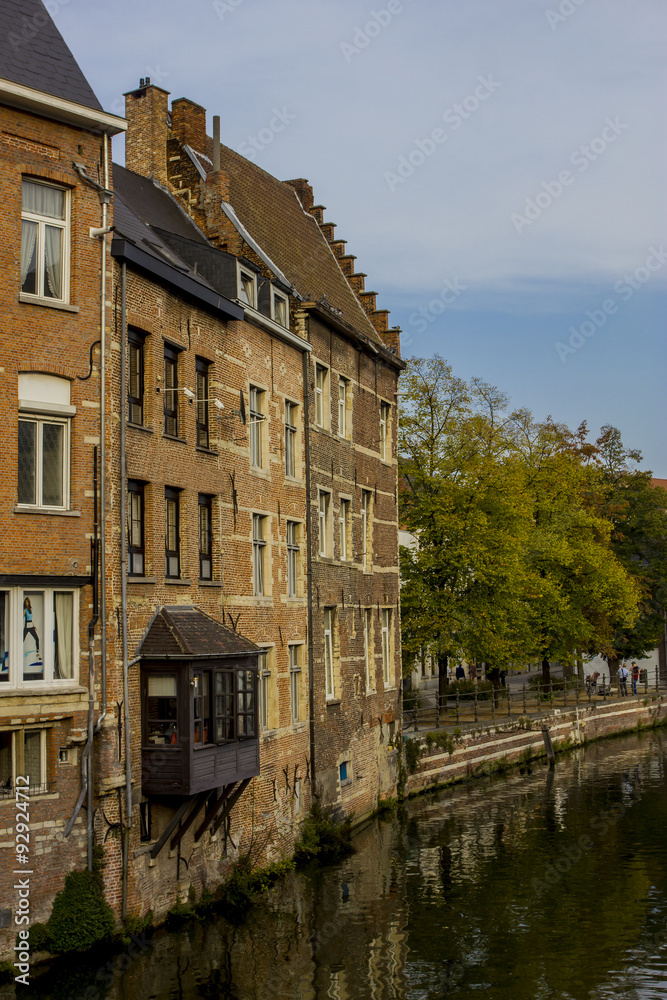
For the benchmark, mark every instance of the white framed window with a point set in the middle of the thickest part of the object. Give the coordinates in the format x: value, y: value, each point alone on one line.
x: 247, y: 287
x: 45, y: 241
x: 258, y: 554
x: 324, y: 518
x: 279, y: 308
x: 291, y: 412
x: 321, y: 395
x: 368, y: 649
x: 292, y: 558
x: 264, y: 690
x: 343, y: 392
x: 43, y: 462
x: 23, y: 754
x: 294, y: 653
x: 366, y: 530
x: 38, y: 636
x: 329, y: 624
x: 384, y: 431
x: 344, y: 529
x: 386, y: 645
x: 256, y: 421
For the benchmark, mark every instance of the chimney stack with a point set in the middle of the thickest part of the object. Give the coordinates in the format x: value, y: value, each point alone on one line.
x: 147, y: 113
x: 188, y: 123
x: 216, y: 142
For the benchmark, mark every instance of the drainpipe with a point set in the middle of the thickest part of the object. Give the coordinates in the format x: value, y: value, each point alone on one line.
x: 309, y: 573
x: 123, y: 584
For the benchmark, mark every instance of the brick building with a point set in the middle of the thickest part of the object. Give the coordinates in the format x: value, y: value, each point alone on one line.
x: 54, y: 145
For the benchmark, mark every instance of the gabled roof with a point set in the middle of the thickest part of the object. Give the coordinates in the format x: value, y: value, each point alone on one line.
x: 187, y: 633
x: 153, y: 204
x: 34, y: 54
x: 271, y: 212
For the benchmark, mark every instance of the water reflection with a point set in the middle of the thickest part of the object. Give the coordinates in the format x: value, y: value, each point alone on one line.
x: 540, y: 885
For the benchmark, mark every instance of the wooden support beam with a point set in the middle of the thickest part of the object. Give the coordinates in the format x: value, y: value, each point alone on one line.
x: 197, y: 808
x: 213, y: 808
x: 231, y: 802
x: 166, y: 834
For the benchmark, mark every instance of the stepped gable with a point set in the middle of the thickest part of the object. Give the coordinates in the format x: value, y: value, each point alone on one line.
x: 189, y: 632
x: 272, y: 213
x: 34, y: 54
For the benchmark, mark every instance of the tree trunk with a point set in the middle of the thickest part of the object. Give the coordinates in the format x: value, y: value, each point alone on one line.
x: 613, y: 662
x: 442, y: 679
x: 546, y: 672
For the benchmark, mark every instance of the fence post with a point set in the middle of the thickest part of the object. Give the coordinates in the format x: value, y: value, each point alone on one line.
x: 605, y: 686
x: 564, y: 692
x: 525, y: 710
x: 576, y: 693
x: 457, y: 707
x: 476, y: 713
x: 657, y: 681
x: 551, y: 690
x: 493, y: 702
x: 509, y: 703
x: 590, y: 688
x: 437, y: 710
x: 646, y: 681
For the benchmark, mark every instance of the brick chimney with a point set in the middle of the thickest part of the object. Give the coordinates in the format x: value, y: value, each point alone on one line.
x: 147, y: 113
x: 188, y: 123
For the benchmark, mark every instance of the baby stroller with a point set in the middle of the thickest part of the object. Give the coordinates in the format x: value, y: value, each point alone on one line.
x: 592, y: 682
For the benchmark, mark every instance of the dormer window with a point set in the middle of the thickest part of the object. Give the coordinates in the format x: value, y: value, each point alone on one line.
x: 279, y: 309
x: 247, y: 288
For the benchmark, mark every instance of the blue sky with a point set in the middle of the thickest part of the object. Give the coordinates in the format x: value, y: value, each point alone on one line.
x: 495, y: 166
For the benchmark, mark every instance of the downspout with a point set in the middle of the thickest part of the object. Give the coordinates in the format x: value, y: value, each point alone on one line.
x: 309, y: 574
x: 123, y: 585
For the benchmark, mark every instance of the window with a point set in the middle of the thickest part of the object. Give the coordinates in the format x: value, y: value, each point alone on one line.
x: 202, y: 402
x: 205, y: 537
x: 170, y: 391
x: 202, y: 732
x: 246, y: 683
x: 345, y: 772
x: 292, y: 558
x: 135, y: 528
x: 172, y: 532
x: 38, y: 636
x: 161, y: 710
x: 344, y: 529
x: 384, y: 430
x: 321, y: 392
x: 256, y: 420
x: 225, y: 729
x: 43, y: 462
x: 264, y: 690
x: 343, y: 407
x: 368, y: 649
x: 23, y: 754
x: 135, y: 388
x: 386, y: 646
x: 279, y: 309
x: 366, y: 530
x: 329, y: 622
x: 294, y: 682
x: 45, y: 241
x: 290, y: 438
x: 258, y: 547
x: 247, y: 288
x: 325, y: 523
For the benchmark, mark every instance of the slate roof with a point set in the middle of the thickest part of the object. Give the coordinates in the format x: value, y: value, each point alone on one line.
x: 186, y: 632
x: 34, y: 54
x: 153, y: 205
x: 273, y: 215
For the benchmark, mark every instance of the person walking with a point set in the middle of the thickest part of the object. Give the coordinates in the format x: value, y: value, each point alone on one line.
x: 623, y: 674
x: 635, y: 677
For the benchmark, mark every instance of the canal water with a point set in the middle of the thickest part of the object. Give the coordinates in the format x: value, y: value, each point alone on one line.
x: 528, y: 886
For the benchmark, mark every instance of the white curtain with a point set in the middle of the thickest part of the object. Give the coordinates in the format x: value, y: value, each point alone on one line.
x: 28, y: 240
x: 63, y: 606
x: 54, y: 239
x: 161, y: 686
x: 40, y: 199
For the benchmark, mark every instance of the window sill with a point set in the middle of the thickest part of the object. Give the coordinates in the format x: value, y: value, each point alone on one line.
x: 180, y: 582
x: 293, y: 479
x: 140, y: 427
x: 40, y: 689
x: 37, y: 300
x: 257, y: 470
x: 172, y: 437
x: 269, y: 734
x: 331, y: 702
x: 346, y: 783
x: 141, y: 579
x: 298, y: 727
x: 209, y: 583
x: 20, y: 509
x: 205, y: 451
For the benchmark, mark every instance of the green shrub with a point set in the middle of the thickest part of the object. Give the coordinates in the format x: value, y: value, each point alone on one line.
x: 412, y: 700
x: 7, y: 973
x: 413, y: 751
x: 40, y: 939
x: 322, y: 838
x: 442, y: 740
x: 81, y: 915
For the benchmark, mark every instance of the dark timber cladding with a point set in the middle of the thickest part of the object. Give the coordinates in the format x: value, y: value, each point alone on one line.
x: 199, y: 715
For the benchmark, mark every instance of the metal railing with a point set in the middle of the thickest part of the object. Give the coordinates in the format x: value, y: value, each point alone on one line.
x: 487, y: 707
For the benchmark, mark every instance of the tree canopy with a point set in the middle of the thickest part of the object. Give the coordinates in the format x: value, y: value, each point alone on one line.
x: 528, y: 541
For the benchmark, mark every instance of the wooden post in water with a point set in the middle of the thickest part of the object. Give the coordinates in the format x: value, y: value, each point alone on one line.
x: 548, y: 746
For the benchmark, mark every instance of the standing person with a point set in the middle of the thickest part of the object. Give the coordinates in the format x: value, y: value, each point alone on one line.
x: 460, y: 672
x: 635, y: 677
x: 28, y: 625
x: 623, y: 675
